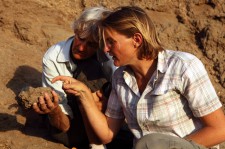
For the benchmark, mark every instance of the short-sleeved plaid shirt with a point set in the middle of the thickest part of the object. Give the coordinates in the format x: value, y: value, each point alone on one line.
x: 177, y: 94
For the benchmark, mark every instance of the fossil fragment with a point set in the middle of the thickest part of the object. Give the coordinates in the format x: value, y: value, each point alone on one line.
x: 30, y: 95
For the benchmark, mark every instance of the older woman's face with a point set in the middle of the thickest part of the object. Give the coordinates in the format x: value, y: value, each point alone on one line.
x: 83, y: 48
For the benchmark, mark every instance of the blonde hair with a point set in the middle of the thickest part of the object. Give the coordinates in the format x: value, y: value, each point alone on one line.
x: 86, y: 26
x: 129, y: 20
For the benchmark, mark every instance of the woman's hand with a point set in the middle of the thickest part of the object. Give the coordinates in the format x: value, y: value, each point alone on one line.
x: 75, y: 87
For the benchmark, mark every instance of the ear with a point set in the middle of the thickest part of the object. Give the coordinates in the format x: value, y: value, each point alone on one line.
x: 137, y: 39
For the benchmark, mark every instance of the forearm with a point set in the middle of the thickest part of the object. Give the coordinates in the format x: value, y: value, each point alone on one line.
x: 208, y: 136
x: 95, y: 118
x: 97, y: 122
x: 92, y: 137
x: 213, y: 131
x: 59, y: 120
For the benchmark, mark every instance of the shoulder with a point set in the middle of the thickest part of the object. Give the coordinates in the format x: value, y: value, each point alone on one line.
x: 118, y: 75
x: 182, y: 60
x: 180, y: 56
x: 54, y: 50
x: 60, y: 50
x: 119, y: 72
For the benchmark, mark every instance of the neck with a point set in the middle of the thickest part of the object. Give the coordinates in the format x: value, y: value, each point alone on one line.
x: 145, y: 68
x: 143, y: 72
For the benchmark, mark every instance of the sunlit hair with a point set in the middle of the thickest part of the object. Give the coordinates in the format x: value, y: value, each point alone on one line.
x: 86, y: 26
x: 129, y: 20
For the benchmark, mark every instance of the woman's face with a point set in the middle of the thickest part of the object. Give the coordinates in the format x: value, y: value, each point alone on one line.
x: 120, y: 47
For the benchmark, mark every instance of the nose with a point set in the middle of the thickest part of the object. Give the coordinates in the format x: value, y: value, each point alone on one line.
x: 106, y: 48
x: 82, y: 46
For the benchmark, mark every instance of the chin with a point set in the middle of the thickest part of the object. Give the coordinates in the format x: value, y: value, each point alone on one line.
x: 116, y: 64
x: 79, y: 57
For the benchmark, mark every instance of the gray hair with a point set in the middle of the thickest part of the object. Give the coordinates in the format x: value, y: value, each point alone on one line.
x: 86, y: 26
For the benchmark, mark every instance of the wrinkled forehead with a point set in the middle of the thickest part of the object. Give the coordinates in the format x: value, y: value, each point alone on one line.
x: 88, y: 35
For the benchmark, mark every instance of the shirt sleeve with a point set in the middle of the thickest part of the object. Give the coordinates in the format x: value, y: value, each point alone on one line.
x: 48, y: 73
x: 199, y: 90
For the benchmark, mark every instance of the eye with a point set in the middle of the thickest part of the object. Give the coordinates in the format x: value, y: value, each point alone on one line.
x: 110, y: 42
x: 81, y: 39
x: 92, y: 44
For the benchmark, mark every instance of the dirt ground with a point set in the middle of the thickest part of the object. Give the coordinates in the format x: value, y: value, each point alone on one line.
x: 29, y: 27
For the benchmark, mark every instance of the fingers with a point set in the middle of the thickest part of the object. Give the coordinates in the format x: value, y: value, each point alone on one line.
x: 37, y: 109
x: 99, y: 94
x: 40, y: 106
x: 71, y: 85
x: 45, y: 104
x: 73, y: 91
x: 59, y: 78
x: 65, y: 79
x: 74, y: 88
x: 49, y: 105
x: 55, y: 97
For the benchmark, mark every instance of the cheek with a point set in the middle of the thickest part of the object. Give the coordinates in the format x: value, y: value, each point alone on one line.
x: 75, y: 45
x: 91, y: 51
x: 75, y: 42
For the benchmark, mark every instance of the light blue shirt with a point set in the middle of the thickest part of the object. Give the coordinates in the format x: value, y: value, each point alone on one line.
x: 57, y: 61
